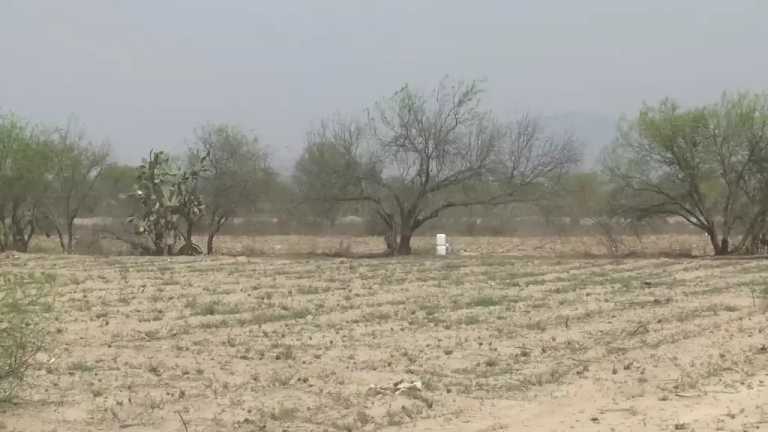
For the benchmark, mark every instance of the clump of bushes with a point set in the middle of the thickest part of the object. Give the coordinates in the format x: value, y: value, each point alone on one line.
x: 25, y: 312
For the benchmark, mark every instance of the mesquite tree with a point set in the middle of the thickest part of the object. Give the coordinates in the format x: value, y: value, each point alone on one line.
x: 418, y: 152
x: 707, y: 165
x: 326, y: 172
x: 24, y: 162
x: 237, y: 175
x: 75, y: 168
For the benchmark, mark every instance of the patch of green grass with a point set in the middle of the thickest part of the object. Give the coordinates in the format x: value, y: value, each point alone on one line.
x: 80, y: 366
x: 154, y: 369
x: 82, y: 305
x: 429, y: 309
x: 309, y: 290
x: 263, y: 317
x: 471, y: 319
x: 215, y: 324
x: 284, y: 414
x: 484, y: 301
x: 536, y: 325
x: 552, y: 375
x: 284, y: 352
x: 376, y: 315
x: 212, y: 307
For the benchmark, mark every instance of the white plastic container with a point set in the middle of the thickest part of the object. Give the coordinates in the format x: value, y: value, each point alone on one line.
x: 441, y: 241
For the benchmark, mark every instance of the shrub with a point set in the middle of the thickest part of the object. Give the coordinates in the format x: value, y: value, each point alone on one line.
x: 25, y: 306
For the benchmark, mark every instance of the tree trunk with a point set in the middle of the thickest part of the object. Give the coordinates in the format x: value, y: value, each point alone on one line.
x: 390, y: 240
x: 60, y: 235
x: 189, y: 247
x: 3, y: 232
x: 17, y: 232
x: 158, y: 242
x: 188, y: 238
x: 211, y: 236
x: 215, y: 223
x: 719, y: 246
x: 21, y: 238
x: 70, y: 235
x: 390, y: 233
x: 724, y: 246
x: 209, y: 243
x: 404, y: 246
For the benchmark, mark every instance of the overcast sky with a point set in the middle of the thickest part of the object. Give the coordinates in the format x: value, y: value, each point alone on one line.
x: 145, y: 73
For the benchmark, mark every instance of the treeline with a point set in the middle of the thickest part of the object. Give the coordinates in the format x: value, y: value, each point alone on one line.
x: 402, y: 164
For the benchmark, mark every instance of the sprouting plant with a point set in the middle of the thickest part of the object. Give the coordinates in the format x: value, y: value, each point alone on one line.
x: 25, y: 309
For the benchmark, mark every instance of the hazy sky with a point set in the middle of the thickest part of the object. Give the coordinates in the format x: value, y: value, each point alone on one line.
x: 144, y: 73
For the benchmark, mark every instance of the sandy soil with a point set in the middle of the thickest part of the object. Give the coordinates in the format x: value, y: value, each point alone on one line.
x: 464, y: 343
x: 532, y: 246
x: 528, y: 246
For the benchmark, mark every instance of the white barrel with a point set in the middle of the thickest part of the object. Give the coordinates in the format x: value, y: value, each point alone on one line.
x: 441, y: 239
x: 442, y: 250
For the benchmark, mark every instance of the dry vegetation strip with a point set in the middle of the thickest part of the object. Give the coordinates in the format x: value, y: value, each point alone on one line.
x: 268, y: 344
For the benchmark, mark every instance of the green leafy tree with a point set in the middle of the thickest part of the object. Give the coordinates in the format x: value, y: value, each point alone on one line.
x: 327, y: 167
x: 112, y: 190
x: 706, y: 165
x: 75, y: 169
x: 237, y: 176
x: 24, y: 178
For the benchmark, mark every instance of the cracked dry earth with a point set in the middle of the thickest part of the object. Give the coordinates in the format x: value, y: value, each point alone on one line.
x: 496, y: 344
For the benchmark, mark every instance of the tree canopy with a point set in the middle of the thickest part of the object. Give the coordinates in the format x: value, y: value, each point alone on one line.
x: 417, y: 150
x: 707, y: 165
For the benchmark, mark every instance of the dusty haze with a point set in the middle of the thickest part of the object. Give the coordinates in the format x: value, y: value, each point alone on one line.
x: 144, y: 73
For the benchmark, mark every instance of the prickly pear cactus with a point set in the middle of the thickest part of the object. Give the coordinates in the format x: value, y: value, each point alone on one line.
x: 167, y: 196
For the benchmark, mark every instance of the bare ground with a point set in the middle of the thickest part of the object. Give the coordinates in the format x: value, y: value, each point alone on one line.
x: 489, y: 342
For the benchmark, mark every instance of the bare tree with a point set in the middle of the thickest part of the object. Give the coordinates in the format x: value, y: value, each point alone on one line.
x: 531, y: 163
x: 75, y: 168
x: 419, y: 150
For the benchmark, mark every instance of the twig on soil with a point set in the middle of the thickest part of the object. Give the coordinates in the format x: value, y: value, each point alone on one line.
x: 630, y: 410
x: 578, y: 360
x: 641, y: 326
x: 688, y: 395
x: 723, y: 391
x: 183, y: 422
